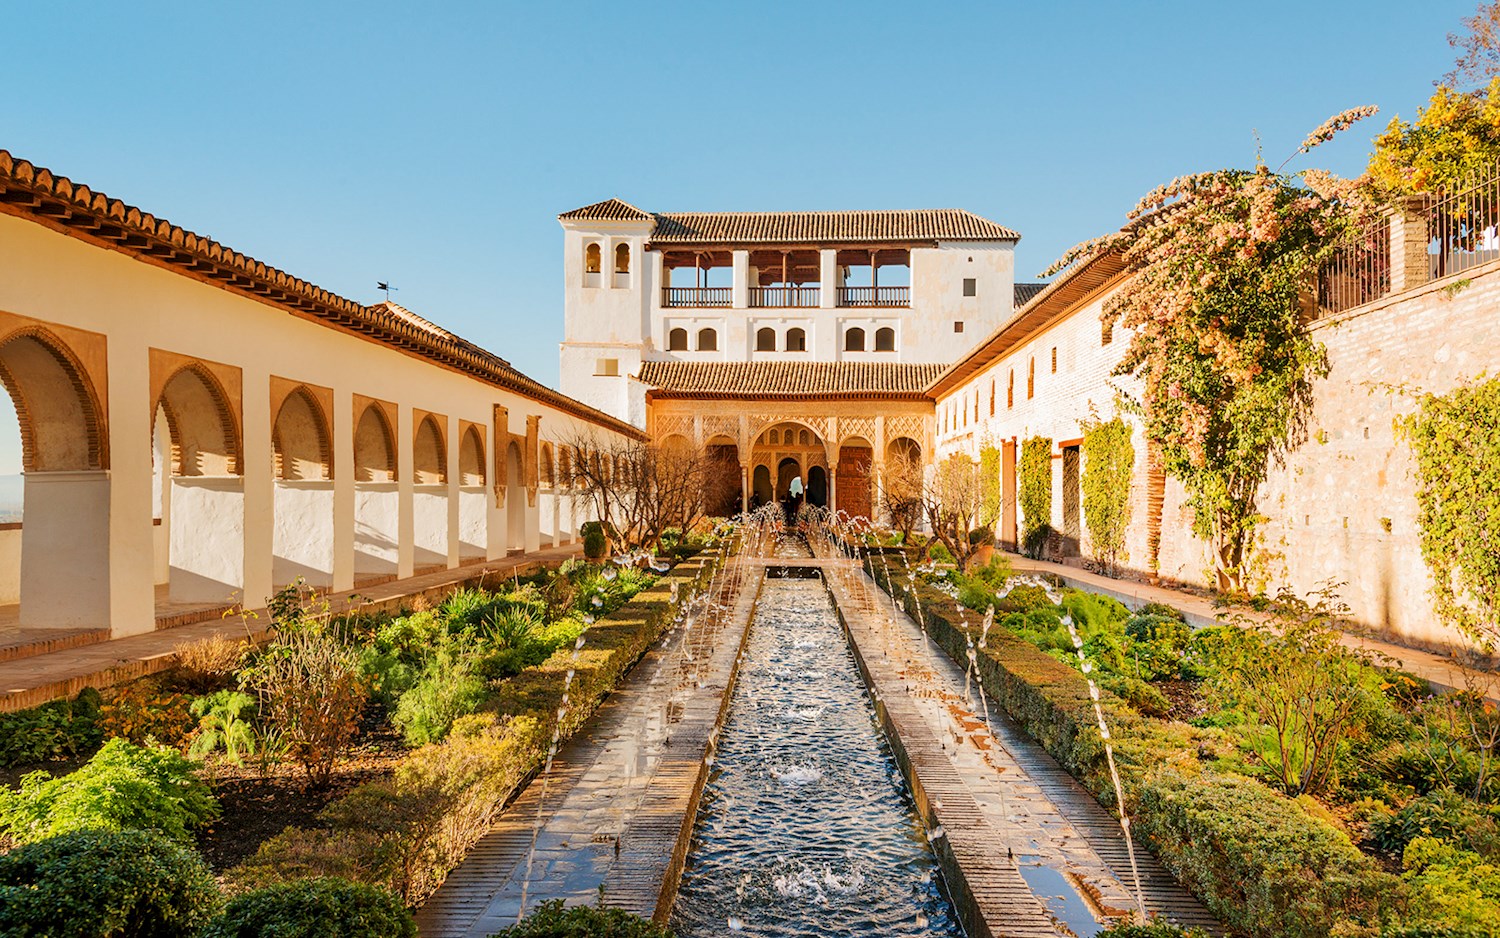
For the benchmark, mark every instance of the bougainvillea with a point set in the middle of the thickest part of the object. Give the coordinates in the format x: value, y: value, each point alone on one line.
x: 1222, y: 263
x: 1456, y: 441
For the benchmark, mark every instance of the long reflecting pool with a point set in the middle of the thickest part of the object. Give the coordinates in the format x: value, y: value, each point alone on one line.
x: 806, y: 827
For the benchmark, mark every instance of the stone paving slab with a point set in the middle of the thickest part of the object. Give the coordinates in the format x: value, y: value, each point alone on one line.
x: 613, y: 819
x: 27, y: 682
x: 1441, y: 670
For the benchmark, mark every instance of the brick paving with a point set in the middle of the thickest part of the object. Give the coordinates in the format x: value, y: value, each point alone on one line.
x: 614, y: 818
x: 1442, y: 671
x: 63, y: 672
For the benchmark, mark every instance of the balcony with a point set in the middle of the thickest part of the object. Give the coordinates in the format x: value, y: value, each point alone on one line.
x: 697, y: 297
x: 784, y: 297
x: 870, y: 297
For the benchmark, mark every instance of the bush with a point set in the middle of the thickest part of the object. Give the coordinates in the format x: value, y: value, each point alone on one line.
x: 312, y: 688
x: 314, y: 908
x: 1444, y: 814
x: 980, y: 537
x: 1128, y: 929
x: 125, y: 884
x: 209, y: 664
x: 54, y: 730
x: 224, y: 723
x: 141, y: 712
x: 448, y: 688
x: 1448, y: 884
x: 1034, y: 540
x: 552, y: 920
x: 123, y: 787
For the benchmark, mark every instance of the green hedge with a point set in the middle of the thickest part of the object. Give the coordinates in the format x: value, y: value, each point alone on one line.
x: 407, y: 832
x: 314, y: 908
x: 1255, y: 857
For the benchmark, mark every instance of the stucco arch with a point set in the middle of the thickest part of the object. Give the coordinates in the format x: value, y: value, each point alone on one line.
x: 471, y: 457
x: 429, y: 453
x: 546, y: 471
x: 202, y: 429
x: 374, y: 446
x: 58, y: 410
x: 300, y: 438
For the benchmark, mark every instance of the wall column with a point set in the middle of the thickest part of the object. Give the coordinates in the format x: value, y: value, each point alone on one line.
x: 828, y: 293
x: 260, y: 487
x: 406, y: 525
x: 833, y: 487
x: 1409, y: 258
x: 343, y: 489
x: 455, y: 443
x: 744, y: 488
x: 124, y: 495
x: 740, y: 292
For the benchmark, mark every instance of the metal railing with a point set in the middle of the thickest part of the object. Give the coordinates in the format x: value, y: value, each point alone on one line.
x: 875, y: 296
x: 697, y: 296
x: 1462, y: 222
x: 1359, y: 273
x: 784, y: 296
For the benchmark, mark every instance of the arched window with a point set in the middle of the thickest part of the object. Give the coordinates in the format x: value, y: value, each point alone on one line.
x: 591, y: 258
x: 854, y: 340
x: 765, y: 340
x: 802, y: 438
x: 885, y: 339
x: 1010, y: 389
x: 1030, y: 379
x: 708, y: 340
x: 796, y: 340
x: 622, y: 258
x: 677, y: 340
x: 774, y: 437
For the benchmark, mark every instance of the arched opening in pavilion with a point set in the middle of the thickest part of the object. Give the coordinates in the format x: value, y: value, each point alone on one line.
x: 817, y: 486
x: 302, y: 532
x: 429, y: 494
x: 725, y: 495
x: 198, y: 490
x: 377, y: 511
x: 790, y: 450
x: 473, y: 510
x: 761, y: 490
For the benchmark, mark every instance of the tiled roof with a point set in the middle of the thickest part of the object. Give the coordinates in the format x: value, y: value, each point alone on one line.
x: 61, y: 204
x: 608, y: 210
x: 1025, y: 291
x: 789, y: 379
x: 940, y: 224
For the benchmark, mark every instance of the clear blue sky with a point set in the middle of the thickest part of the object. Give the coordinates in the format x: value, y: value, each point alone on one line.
x: 434, y: 144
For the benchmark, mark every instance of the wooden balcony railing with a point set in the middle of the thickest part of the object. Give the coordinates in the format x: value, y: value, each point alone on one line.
x: 783, y: 296
x: 698, y: 296
x: 874, y: 296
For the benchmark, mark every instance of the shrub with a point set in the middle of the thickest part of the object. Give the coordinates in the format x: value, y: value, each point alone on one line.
x: 311, y: 687
x: 1156, y: 645
x: 121, y: 884
x: 1444, y: 814
x: 982, y: 536
x: 141, y: 712
x: 1155, y: 929
x: 224, y: 723
x: 1034, y: 540
x: 314, y: 908
x: 448, y: 688
x: 123, y: 787
x: 1456, y: 887
x: 209, y: 664
x: 54, y: 730
x: 1035, y: 471
x: 552, y: 920
x: 1108, y: 461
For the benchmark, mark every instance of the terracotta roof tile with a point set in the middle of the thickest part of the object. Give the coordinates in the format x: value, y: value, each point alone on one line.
x: 609, y: 210
x: 799, y: 380
x: 62, y: 204
x: 941, y: 224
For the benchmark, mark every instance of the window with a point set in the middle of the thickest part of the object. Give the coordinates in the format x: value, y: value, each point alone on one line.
x: 1010, y: 390
x: 796, y: 340
x: 971, y: 286
x: 1030, y: 378
x: 992, y: 397
x: 1107, y: 333
x: 765, y: 339
x: 607, y: 367
x: 802, y: 438
x: 854, y: 340
x: 958, y: 326
x: 622, y: 258
x: 591, y: 258
x: 1054, y: 359
x: 774, y: 437
x: 885, y: 339
x: 708, y: 340
x: 677, y: 340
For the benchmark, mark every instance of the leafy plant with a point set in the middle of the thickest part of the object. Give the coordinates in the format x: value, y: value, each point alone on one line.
x: 1456, y: 441
x: 552, y: 920
x: 123, y: 787
x: 448, y: 688
x: 1444, y: 814
x: 224, y: 723
x: 1035, y: 471
x: 52, y: 731
x: 1453, y: 886
x: 1455, y: 136
x: 1108, y: 463
x: 1154, y: 929
x: 310, y: 685
x: 141, y: 712
x: 314, y: 908
x: 119, y: 884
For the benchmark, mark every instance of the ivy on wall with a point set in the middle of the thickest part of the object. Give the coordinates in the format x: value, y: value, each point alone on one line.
x: 1108, y: 462
x: 1035, y: 471
x: 989, y: 482
x: 1456, y: 441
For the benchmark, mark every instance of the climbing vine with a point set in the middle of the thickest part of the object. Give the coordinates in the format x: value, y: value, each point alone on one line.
x: 1455, y: 439
x: 989, y: 485
x: 1108, y: 462
x: 1221, y: 262
x: 1035, y: 470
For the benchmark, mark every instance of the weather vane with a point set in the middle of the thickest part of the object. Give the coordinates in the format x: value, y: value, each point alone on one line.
x: 385, y: 286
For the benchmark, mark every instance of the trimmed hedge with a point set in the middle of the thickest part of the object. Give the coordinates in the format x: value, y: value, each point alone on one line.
x: 314, y: 908
x: 1254, y: 856
x: 407, y: 832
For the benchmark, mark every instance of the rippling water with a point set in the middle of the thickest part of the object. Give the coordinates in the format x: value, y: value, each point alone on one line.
x: 806, y: 828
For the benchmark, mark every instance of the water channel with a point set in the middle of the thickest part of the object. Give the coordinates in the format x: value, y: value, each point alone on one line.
x: 806, y: 827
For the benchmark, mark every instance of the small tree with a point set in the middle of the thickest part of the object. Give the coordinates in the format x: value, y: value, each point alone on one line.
x: 951, y: 500
x: 1035, y: 471
x: 901, y: 491
x: 640, y: 489
x: 1108, y: 462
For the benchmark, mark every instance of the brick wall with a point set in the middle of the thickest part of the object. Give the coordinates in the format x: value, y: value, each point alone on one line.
x: 1341, y: 508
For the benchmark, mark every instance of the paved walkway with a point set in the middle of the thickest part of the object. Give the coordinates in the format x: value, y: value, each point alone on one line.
x: 1033, y: 847
x: 1442, y: 671
x: 613, y: 819
x: 26, y: 682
